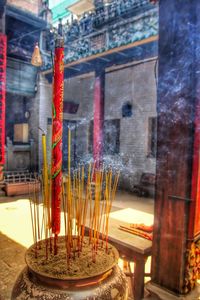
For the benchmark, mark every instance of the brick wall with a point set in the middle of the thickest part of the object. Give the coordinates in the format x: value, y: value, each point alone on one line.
x: 15, y: 114
x: 133, y: 84
x: 32, y: 107
x: 29, y: 5
x: 44, y: 104
x: 79, y: 90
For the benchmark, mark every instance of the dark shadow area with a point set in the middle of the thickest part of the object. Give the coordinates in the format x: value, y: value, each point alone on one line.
x: 11, y: 264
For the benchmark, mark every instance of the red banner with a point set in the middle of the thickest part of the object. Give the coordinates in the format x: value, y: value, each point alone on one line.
x: 57, y: 128
x: 3, y: 48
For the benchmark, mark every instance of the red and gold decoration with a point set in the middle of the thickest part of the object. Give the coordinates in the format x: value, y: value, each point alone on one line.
x: 192, y: 266
x: 57, y: 129
x: 3, y: 49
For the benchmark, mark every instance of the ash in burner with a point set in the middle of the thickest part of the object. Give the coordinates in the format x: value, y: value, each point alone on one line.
x: 79, y: 267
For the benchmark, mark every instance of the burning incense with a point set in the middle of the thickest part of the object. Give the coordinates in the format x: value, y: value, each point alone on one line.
x: 85, y: 202
x: 69, y: 152
x: 45, y: 182
x: 46, y: 194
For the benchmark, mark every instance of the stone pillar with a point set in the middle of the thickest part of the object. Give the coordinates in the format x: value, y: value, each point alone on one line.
x: 40, y: 110
x: 2, y: 16
x: 177, y: 201
x: 98, y: 117
x: 45, y: 111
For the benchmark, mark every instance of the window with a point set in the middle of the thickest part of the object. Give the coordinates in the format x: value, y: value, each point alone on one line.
x: 152, y: 137
x: 127, y: 110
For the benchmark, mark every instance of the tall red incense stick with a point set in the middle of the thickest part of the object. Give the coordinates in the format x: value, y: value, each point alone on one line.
x: 57, y: 128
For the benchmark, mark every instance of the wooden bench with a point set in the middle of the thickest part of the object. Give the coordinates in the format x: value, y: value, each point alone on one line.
x: 22, y: 188
x: 146, y: 186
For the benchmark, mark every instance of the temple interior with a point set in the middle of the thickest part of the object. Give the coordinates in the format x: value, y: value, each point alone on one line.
x: 100, y: 142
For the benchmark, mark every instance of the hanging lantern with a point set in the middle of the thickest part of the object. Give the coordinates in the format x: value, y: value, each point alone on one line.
x: 36, y: 57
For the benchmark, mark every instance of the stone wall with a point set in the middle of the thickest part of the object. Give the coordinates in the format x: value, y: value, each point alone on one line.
x: 16, y: 106
x: 14, y: 113
x: 44, y: 103
x: 134, y: 84
x: 78, y: 90
x: 81, y: 90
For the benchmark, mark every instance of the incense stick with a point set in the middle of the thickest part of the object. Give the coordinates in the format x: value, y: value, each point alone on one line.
x: 83, y: 200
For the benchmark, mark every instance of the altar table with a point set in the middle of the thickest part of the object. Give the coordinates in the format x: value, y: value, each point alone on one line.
x: 130, y: 246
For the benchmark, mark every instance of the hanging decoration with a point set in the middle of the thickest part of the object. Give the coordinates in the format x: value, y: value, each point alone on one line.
x: 36, y: 57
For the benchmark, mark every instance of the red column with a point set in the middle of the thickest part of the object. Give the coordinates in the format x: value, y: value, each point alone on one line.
x: 194, y: 218
x: 175, y: 254
x: 3, y: 49
x: 57, y: 128
x: 98, y: 118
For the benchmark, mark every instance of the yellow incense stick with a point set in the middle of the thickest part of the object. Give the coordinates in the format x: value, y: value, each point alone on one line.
x: 69, y: 151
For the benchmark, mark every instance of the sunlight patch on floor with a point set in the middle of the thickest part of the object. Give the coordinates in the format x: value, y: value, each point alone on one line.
x: 15, y: 221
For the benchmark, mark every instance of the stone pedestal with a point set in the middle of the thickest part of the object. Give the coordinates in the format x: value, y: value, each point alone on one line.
x: 31, y: 286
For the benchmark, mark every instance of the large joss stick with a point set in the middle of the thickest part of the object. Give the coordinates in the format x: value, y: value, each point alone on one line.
x: 57, y: 128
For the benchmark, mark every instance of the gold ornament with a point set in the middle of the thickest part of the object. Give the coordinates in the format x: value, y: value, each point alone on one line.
x: 36, y: 57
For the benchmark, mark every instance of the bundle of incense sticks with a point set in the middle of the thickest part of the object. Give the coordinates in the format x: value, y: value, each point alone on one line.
x: 145, y: 234
x: 84, y: 207
x: 40, y: 205
x: 87, y: 197
x: 34, y: 200
x: 142, y: 226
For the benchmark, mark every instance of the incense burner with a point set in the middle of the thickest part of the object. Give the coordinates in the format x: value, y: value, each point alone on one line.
x: 79, y: 278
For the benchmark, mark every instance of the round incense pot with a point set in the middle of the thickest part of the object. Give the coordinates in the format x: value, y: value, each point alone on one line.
x: 80, y: 278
